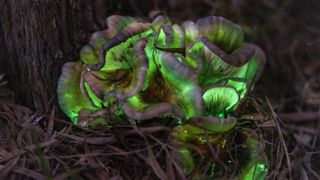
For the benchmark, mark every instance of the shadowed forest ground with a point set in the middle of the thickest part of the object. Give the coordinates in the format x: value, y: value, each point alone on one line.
x: 287, y: 98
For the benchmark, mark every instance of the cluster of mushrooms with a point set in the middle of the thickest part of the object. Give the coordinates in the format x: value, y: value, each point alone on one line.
x: 197, y: 73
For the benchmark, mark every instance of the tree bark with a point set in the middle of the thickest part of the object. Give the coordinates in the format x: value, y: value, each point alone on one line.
x: 39, y: 36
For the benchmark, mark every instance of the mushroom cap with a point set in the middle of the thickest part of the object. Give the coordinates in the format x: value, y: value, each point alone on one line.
x: 198, y: 71
x: 220, y: 100
x: 70, y: 97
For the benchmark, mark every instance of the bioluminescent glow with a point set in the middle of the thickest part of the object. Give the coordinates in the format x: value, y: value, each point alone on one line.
x: 198, y: 71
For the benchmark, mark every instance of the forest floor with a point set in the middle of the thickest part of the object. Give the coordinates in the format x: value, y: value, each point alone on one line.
x: 285, y: 101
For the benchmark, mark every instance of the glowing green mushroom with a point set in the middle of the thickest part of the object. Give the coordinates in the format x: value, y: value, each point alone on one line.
x: 183, y: 80
x: 172, y: 90
x: 222, y: 32
x: 197, y: 73
x: 71, y: 99
x: 217, y: 50
x: 220, y: 100
x: 121, y: 72
x: 214, y: 64
x: 89, y: 54
x: 191, y: 31
x: 170, y: 38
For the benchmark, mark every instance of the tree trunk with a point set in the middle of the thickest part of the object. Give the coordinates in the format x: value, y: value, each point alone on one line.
x: 39, y: 36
